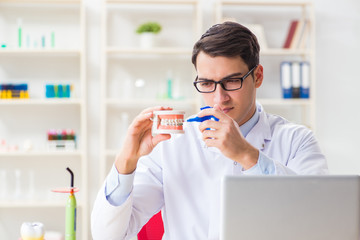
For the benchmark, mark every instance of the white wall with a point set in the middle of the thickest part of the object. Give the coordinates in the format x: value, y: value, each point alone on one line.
x: 337, y: 52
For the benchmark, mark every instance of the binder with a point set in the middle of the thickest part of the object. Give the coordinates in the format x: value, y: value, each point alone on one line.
x: 285, y: 75
x: 305, y: 79
x: 295, y: 79
x: 291, y: 32
x: 297, y: 35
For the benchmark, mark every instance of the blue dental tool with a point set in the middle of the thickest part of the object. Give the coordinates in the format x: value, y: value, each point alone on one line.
x: 201, y: 119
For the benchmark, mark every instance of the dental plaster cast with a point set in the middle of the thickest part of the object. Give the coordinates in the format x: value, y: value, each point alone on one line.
x: 168, y: 122
x: 32, y: 231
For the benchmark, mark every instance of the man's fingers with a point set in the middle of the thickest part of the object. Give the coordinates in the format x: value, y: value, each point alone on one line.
x: 210, y: 142
x: 144, y: 119
x: 209, y: 134
x: 160, y: 138
x: 212, y: 112
x: 208, y: 125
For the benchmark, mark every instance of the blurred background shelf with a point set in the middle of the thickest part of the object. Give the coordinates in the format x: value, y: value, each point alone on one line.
x: 52, y: 51
x: 35, y: 102
x: 134, y: 77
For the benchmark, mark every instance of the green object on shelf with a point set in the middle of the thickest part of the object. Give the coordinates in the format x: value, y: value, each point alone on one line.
x: 169, y: 88
x: 70, y: 217
x: 52, y: 39
x: 70, y: 228
x: 43, y: 42
x: 19, y: 32
x: 56, y: 91
x: 169, y: 85
x: 152, y: 27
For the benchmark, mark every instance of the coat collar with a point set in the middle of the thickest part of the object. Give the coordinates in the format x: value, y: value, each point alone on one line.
x: 261, y: 132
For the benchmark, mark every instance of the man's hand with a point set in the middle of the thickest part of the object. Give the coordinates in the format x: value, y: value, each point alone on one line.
x: 138, y: 141
x: 226, y: 136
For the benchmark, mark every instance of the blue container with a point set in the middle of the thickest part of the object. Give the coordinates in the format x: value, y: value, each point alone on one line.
x: 50, y: 91
x: 67, y: 91
x: 60, y: 91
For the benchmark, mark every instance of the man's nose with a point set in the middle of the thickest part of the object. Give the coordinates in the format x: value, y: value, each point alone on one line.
x: 220, y: 95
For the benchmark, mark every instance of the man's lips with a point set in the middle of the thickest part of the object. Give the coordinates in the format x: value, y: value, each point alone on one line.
x: 226, y: 110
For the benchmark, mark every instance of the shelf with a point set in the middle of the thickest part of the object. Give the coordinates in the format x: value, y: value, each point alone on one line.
x: 186, y: 51
x: 284, y: 52
x: 264, y: 3
x: 170, y: 51
x: 35, y: 102
x: 35, y: 204
x: 41, y: 1
x: 282, y: 102
x: 65, y: 61
x: 41, y: 52
x: 151, y: 2
x: 42, y: 154
x: 301, y: 111
x: 121, y: 50
x: 149, y: 102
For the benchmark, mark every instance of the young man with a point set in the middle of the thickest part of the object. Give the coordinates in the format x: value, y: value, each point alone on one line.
x: 181, y: 176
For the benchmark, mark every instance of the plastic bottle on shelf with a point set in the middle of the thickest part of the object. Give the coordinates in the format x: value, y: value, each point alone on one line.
x: 169, y: 85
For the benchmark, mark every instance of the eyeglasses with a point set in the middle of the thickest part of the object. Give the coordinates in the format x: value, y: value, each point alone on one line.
x: 228, y: 83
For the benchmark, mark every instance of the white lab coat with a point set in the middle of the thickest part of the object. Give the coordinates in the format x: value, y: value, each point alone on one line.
x: 182, y: 177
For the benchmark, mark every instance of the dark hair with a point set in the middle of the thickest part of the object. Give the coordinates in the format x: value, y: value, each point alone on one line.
x: 229, y: 39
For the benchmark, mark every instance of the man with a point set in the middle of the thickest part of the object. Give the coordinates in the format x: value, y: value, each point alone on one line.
x: 181, y: 174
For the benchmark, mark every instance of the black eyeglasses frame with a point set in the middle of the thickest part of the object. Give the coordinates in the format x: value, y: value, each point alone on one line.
x: 221, y: 82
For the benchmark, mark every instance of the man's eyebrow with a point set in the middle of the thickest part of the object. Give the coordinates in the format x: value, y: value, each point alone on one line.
x: 232, y: 75
x: 226, y: 77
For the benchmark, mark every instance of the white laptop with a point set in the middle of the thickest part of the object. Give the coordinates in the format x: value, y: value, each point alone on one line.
x: 290, y: 208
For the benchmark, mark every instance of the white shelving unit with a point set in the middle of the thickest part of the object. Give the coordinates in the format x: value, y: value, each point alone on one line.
x: 275, y: 17
x: 124, y: 63
x: 28, y: 120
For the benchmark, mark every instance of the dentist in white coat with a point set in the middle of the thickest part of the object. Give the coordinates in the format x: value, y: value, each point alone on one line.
x: 180, y: 174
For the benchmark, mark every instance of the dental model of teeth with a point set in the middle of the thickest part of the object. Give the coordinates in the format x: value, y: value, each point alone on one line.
x: 168, y: 122
x: 171, y: 122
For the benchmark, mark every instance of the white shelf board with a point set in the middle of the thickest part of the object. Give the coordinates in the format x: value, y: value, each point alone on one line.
x: 188, y: 51
x: 149, y: 102
x: 265, y: 3
x: 41, y: 1
x: 48, y: 101
x: 31, y: 204
x: 287, y: 102
x: 35, y: 204
x: 284, y: 52
x: 41, y: 154
x: 170, y: 51
x: 42, y: 52
x: 151, y: 2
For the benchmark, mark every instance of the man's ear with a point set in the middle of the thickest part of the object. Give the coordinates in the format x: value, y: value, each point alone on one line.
x: 259, y: 75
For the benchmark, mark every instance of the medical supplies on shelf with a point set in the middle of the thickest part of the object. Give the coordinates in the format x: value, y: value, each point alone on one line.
x: 10, y: 91
x: 61, y: 140
x: 58, y: 91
